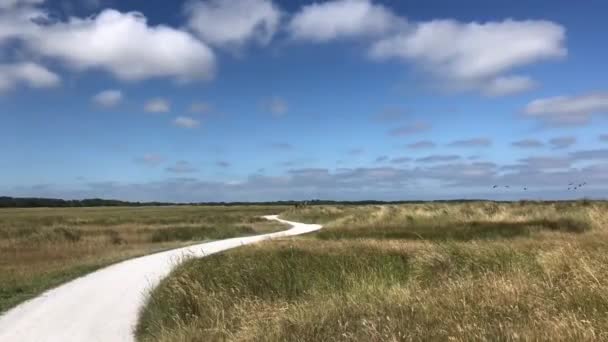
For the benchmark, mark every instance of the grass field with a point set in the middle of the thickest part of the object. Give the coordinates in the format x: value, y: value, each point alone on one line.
x: 450, y: 272
x: 42, y: 248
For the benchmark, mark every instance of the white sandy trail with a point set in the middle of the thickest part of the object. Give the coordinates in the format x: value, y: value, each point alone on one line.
x: 104, y: 305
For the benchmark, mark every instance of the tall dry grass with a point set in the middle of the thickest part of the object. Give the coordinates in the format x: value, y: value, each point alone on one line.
x: 357, y: 284
x: 41, y: 248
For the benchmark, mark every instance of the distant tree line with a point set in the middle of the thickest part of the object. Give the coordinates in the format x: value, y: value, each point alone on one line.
x: 34, y: 202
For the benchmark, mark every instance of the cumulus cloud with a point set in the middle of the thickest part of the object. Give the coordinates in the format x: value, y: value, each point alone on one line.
x: 123, y: 44
x: 27, y: 73
x: 603, y: 137
x: 232, y: 23
x: 277, y: 106
x: 321, y: 22
x: 476, y: 55
x: 413, y: 128
x: 108, y: 98
x: 568, y: 110
x: 186, y: 122
x: 157, y: 105
x: 182, y: 166
x: 150, y: 159
x: 528, y: 143
x: 474, y: 142
x: 423, y: 144
x: 562, y: 142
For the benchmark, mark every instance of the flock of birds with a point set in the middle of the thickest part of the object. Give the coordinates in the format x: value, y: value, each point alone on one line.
x: 571, y: 186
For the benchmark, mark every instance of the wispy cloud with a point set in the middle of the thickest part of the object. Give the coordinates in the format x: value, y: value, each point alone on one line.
x: 182, y: 166
x: 568, y: 110
x: 356, y: 151
x: 400, y: 160
x: 413, y: 128
x: 423, y: 144
x: 150, y: 159
x: 474, y: 142
x: 108, y: 98
x: 562, y: 142
x: 381, y: 159
x: 186, y: 122
x: 528, y: 143
x: 277, y: 106
x: 438, y: 158
x: 388, y: 115
x: 157, y: 105
x: 281, y: 146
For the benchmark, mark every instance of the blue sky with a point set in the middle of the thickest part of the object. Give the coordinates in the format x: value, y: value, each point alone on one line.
x: 247, y: 100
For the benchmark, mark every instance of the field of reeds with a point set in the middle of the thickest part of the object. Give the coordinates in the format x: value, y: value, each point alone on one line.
x: 43, y: 247
x: 480, y: 271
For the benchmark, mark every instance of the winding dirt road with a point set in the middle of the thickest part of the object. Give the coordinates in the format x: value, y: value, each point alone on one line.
x: 104, y: 305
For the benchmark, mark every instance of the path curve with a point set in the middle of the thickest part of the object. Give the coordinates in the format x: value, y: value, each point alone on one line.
x: 104, y: 305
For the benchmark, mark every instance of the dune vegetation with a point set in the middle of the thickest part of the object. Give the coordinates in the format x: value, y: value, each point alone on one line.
x: 44, y: 247
x: 480, y: 271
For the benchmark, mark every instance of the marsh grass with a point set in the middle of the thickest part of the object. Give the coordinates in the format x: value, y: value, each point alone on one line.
x: 42, y: 248
x: 360, y: 284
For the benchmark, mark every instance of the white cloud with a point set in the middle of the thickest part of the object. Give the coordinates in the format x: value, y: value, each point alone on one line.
x: 120, y: 43
x: 409, y: 129
x: 329, y: 20
x: 507, y: 85
x: 186, y: 122
x: 26, y: 73
x: 564, y: 110
x: 474, y: 55
x: 231, y: 23
x: 108, y: 98
x: 157, y: 105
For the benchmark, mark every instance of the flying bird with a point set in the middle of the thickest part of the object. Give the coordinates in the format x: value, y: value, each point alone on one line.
x: 495, y: 186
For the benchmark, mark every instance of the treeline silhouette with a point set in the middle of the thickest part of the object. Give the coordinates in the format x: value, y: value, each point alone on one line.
x: 35, y: 202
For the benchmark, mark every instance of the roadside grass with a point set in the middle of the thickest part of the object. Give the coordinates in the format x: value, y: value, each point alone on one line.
x: 45, y: 247
x: 353, y: 282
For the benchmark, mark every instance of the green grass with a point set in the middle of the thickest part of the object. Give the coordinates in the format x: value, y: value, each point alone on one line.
x: 459, y: 272
x: 42, y: 248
